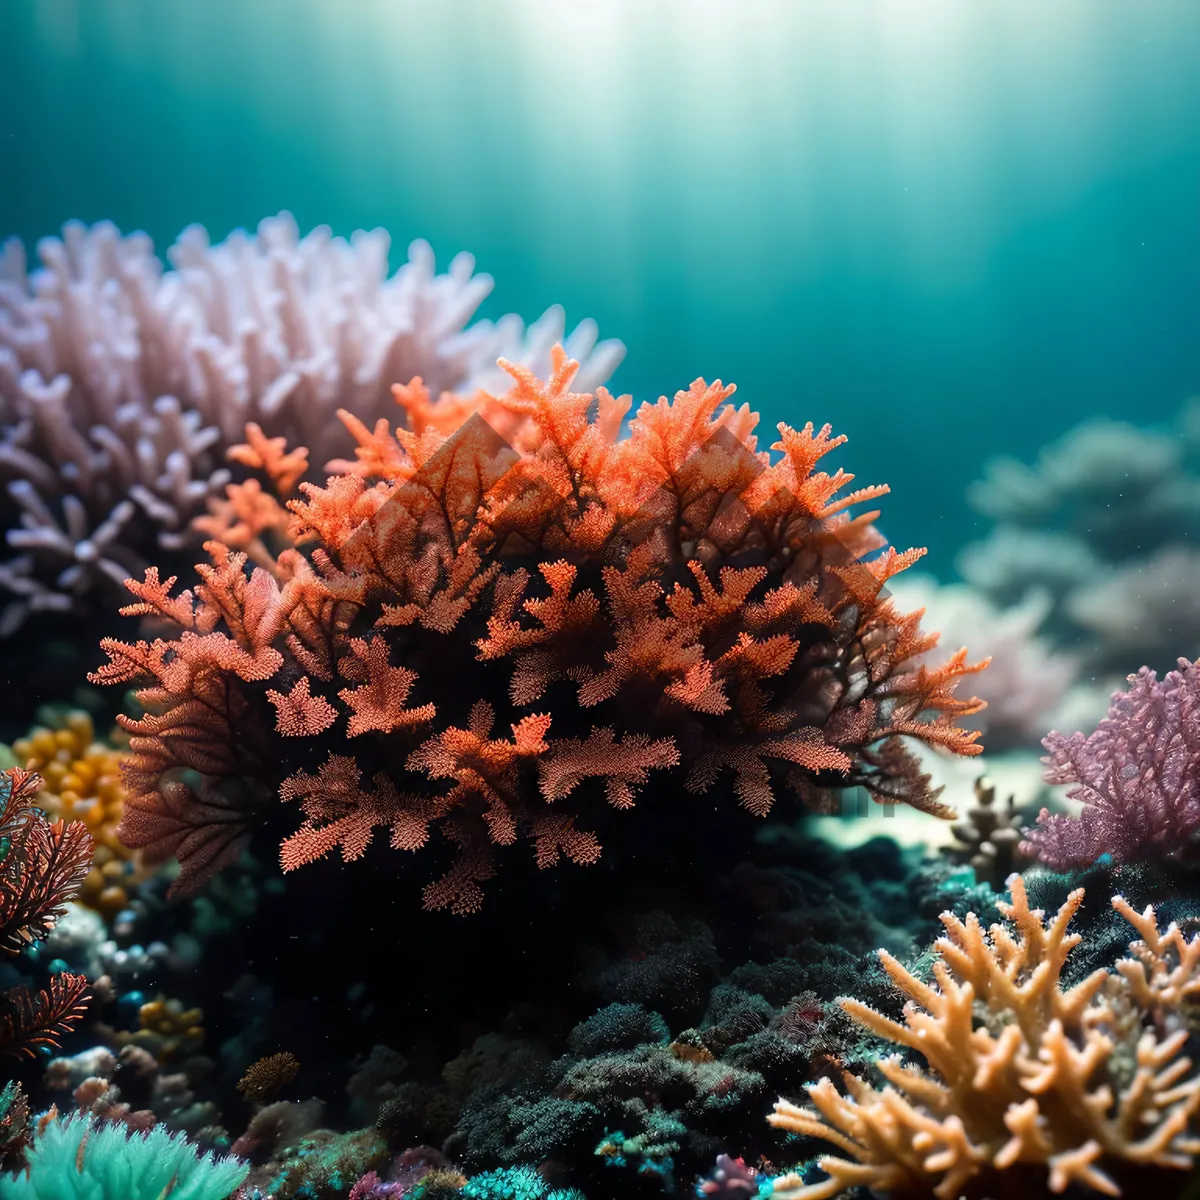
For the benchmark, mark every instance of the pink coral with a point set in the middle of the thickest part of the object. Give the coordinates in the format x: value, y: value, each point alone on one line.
x: 1137, y: 775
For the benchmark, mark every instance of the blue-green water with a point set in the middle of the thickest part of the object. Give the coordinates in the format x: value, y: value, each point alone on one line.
x: 949, y: 228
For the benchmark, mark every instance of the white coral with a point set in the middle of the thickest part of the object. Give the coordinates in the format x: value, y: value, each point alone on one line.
x: 123, y: 382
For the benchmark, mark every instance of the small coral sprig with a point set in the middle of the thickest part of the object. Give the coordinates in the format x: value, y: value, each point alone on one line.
x: 42, y: 863
x: 32, y: 1021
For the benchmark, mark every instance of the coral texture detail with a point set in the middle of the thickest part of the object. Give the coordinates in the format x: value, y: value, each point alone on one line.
x: 42, y: 863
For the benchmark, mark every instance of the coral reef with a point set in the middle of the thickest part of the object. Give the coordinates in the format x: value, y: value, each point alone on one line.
x: 513, y: 610
x: 1137, y: 775
x: 1025, y: 1082
x: 698, y: 1029
x: 622, y: 604
x: 121, y: 383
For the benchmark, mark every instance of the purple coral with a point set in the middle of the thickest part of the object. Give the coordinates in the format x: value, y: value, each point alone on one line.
x: 1137, y: 775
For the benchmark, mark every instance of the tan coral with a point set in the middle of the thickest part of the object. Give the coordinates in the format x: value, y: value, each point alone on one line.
x: 1163, y: 973
x: 1023, y: 1079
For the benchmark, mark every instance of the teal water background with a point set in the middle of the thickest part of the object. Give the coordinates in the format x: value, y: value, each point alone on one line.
x: 949, y: 227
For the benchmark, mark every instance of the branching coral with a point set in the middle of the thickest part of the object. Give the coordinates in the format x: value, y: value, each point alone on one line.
x: 121, y: 384
x: 31, y: 1021
x: 630, y: 603
x: 1025, y: 1082
x: 1026, y: 681
x: 42, y: 865
x: 1137, y: 774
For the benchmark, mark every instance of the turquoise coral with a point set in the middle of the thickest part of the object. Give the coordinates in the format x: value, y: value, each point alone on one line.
x: 78, y: 1159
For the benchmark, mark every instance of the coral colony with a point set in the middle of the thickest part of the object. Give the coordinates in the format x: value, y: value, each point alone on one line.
x: 498, y: 637
x: 423, y: 596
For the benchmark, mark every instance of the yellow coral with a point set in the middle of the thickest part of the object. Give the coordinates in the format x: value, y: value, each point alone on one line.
x: 1076, y: 1085
x: 82, y: 782
x: 166, y: 1029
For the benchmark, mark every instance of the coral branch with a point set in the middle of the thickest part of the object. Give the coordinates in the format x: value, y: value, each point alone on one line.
x: 42, y: 863
x: 34, y: 1021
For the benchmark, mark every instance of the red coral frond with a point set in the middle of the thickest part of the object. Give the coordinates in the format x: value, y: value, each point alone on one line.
x: 42, y: 863
x: 154, y: 600
x: 241, y: 520
x: 205, y: 831
x: 377, y: 454
x: 750, y: 763
x: 529, y: 734
x: 624, y: 766
x: 340, y: 812
x: 555, y: 835
x: 34, y: 1021
x: 18, y: 794
x: 250, y: 606
x: 459, y: 890
x: 130, y: 662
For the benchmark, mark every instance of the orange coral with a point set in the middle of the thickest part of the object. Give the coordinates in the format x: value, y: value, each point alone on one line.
x: 627, y: 604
